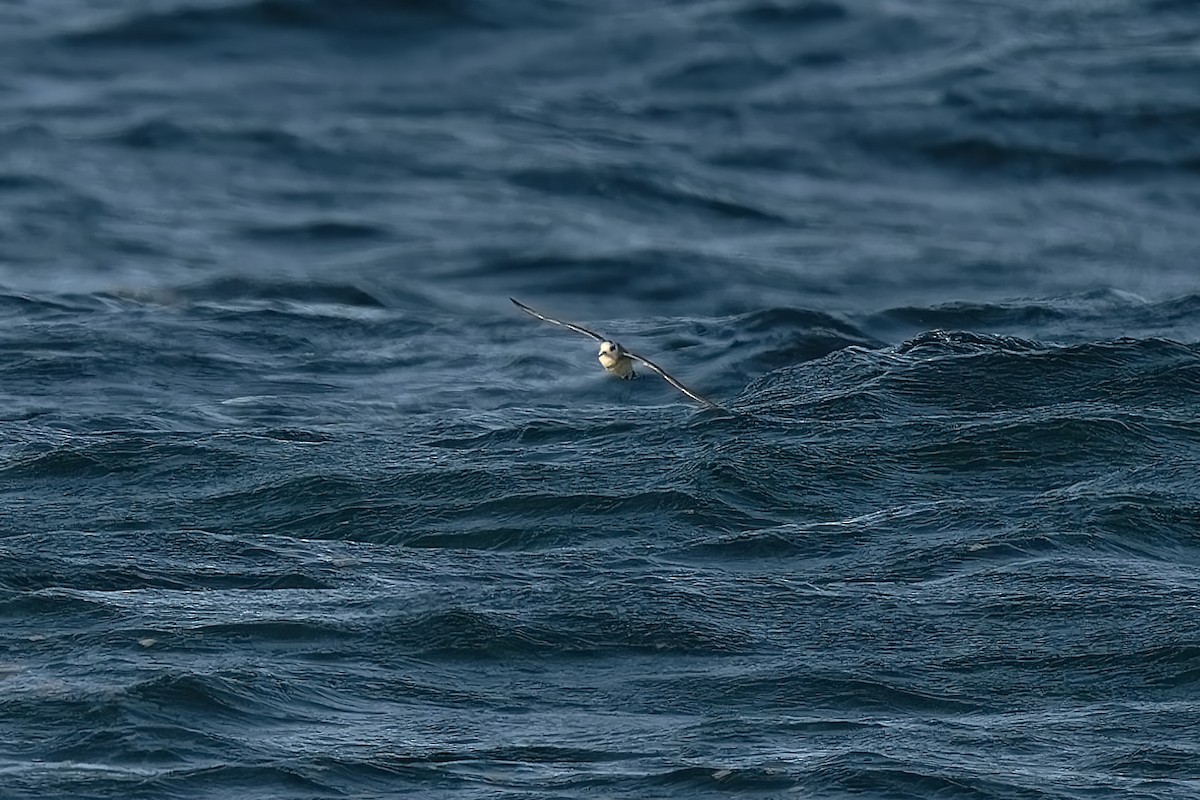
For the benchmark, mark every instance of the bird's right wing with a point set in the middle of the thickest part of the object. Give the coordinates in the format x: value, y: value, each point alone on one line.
x: 662, y: 373
x: 553, y: 321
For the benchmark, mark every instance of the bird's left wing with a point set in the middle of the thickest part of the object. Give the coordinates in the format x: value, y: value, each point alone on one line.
x: 552, y: 321
x: 662, y: 373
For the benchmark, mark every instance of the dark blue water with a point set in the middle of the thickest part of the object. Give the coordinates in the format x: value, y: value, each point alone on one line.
x: 295, y: 504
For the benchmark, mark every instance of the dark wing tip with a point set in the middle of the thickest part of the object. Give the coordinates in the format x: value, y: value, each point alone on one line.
x: 525, y: 308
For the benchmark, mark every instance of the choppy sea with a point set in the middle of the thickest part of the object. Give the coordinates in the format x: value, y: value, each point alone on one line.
x: 294, y: 503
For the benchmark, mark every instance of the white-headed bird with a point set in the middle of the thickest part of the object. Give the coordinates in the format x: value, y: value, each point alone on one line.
x: 616, y: 359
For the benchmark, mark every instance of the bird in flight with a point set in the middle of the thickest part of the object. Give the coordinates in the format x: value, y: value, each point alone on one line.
x: 616, y: 359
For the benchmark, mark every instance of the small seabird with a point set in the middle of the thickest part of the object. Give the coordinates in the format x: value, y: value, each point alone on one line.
x: 616, y: 359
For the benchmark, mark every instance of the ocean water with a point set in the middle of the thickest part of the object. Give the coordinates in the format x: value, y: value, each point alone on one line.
x: 294, y: 503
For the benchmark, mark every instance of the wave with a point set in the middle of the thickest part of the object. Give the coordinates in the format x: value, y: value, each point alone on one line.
x: 967, y: 316
x: 1059, y: 320
x: 633, y: 187
x: 800, y: 14
x: 966, y: 371
x: 227, y: 140
x: 338, y: 232
x: 20, y: 181
x: 27, y: 307
x: 1104, y: 669
x: 1012, y: 133
x: 656, y: 275
x: 822, y: 690
x: 201, y: 23
x: 467, y: 633
x: 858, y: 771
x: 776, y: 337
x: 1017, y: 159
x: 250, y: 289
x: 492, y: 512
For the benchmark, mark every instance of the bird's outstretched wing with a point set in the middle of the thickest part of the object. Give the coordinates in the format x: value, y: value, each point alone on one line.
x: 662, y: 373
x: 552, y: 321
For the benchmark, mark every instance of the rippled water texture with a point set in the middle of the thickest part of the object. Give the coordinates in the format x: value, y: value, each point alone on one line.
x: 296, y: 504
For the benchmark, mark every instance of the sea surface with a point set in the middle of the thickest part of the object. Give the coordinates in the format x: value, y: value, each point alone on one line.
x: 294, y: 503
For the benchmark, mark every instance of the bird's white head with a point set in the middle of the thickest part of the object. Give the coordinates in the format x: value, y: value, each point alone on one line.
x: 614, y: 359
